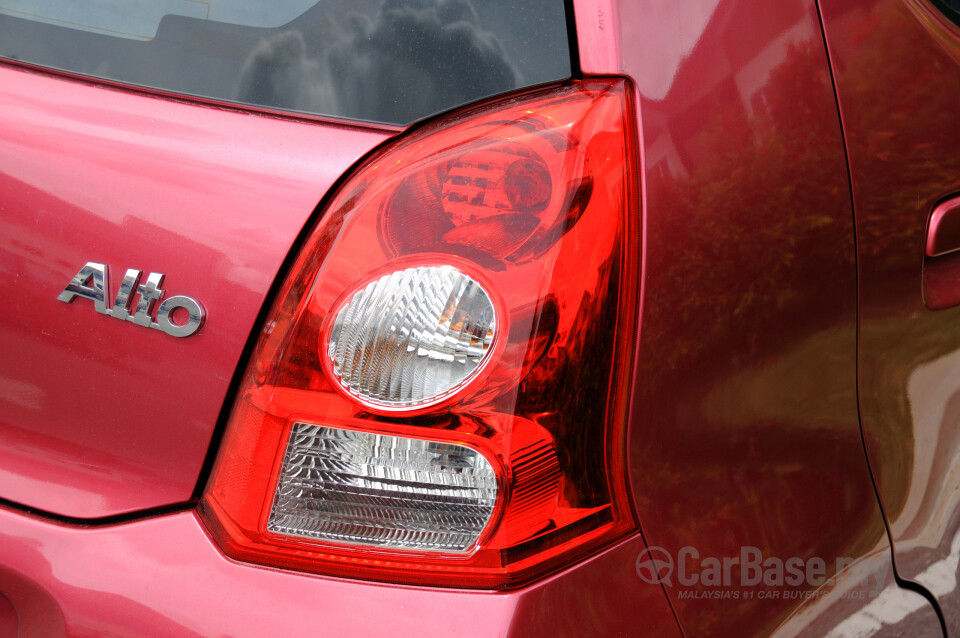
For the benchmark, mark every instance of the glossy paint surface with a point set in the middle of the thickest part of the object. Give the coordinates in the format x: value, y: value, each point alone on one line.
x: 68, y: 581
x: 744, y: 431
x: 100, y: 416
x: 943, y: 231
x: 898, y: 79
x: 867, y: 602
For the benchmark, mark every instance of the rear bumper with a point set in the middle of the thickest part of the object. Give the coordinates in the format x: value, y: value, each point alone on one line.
x: 165, y: 576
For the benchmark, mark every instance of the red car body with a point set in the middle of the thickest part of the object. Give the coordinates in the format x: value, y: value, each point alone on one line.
x: 793, y: 389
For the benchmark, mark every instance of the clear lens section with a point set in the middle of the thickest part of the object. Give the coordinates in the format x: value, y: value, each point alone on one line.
x: 387, y: 491
x: 412, y: 336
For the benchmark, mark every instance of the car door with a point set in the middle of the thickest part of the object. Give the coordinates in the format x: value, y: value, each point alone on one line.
x: 745, y: 441
x: 897, y: 73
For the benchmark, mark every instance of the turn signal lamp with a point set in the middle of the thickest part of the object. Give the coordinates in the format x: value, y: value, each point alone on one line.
x: 439, y: 394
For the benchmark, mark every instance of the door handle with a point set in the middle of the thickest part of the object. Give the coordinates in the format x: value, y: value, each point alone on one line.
x: 941, y: 264
x: 943, y: 231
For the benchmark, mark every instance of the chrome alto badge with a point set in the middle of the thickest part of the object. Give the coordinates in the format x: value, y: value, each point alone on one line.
x: 92, y: 282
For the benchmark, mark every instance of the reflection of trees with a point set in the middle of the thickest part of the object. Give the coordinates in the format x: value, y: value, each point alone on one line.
x: 747, y: 431
x: 899, y: 93
x: 899, y: 102
x: 899, y: 87
x: 417, y: 57
x: 764, y: 226
x: 396, y: 61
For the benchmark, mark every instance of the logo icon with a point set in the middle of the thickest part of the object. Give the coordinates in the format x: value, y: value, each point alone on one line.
x: 92, y: 282
x: 655, y: 565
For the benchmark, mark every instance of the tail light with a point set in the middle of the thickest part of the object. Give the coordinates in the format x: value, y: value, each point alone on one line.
x: 438, y: 397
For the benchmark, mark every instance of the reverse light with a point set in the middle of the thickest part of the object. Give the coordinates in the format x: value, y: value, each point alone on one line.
x: 386, y: 491
x: 439, y: 395
x: 410, y: 337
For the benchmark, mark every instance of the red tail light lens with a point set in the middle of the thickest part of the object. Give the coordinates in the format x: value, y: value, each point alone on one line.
x: 439, y: 395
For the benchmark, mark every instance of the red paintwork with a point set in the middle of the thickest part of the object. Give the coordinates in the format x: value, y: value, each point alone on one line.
x: 164, y: 577
x: 99, y: 417
x: 744, y: 429
x: 941, y: 267
x: 598, y: 36
x: 897, y: 65
x: 941, y: 281
x: 943, y: 231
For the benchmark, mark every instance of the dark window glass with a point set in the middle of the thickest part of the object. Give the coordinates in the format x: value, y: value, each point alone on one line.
x: 950, y: 7
x: 392, y: 61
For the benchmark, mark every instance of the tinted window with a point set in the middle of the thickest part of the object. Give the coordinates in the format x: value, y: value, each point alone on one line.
x: 950, y: 7
x: 392, y: 61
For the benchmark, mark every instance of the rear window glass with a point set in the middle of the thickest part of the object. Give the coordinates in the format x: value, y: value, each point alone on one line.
x: 950, y: 7
x: 393, y: 61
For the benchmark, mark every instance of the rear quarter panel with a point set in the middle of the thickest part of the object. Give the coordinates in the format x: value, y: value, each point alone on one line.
x: 99, y: 417
x: 744, y: 431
